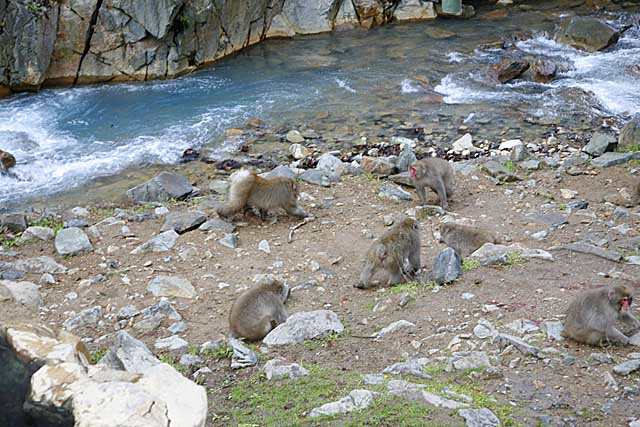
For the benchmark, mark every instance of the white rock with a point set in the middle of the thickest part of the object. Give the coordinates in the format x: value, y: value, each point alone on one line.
x: 264, y: 247
x: 303, y: 326
x: 171, y: 286
x: 464, y: 143
x: 510, y: 144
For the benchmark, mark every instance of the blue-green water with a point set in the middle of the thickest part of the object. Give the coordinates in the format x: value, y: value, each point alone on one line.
x: 64, y: 138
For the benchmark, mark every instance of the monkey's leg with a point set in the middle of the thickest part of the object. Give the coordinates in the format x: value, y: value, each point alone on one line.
x: 365, y: 277
x: 615, y: 336
x: 395, y: 276
x: 421, y: 194
x: 414, y: 261
x: 442, y: 194
x: 263, y: 213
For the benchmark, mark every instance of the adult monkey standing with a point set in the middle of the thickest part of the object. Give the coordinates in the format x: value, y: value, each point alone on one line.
x: 435, y: 173
x: 248, y: 190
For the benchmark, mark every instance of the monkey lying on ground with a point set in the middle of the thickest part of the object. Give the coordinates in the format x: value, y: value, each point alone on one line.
x: 257, y: 311
x: 248, y: 190
x: 435, y: 173
x: 592, y: 315
x: 397, y: 251
x: 465, y: 239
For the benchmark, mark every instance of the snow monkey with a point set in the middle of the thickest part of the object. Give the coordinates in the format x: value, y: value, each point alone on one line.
x: 397, y: 251
x: 592, y: 315
x: 258, y: 310
x: 465, y: 239
x: 435, y: 173
x: 248, y: 190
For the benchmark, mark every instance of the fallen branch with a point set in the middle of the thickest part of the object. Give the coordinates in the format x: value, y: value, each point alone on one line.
x: 295, y: 227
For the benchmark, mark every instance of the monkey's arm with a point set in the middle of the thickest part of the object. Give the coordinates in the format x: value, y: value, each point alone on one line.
x: 629, y: 319
x: 615, y: 336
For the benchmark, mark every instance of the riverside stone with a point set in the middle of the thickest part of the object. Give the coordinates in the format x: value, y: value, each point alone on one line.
x: 303, y: 326
x: 482, y: 417
x: 625, y: 368
x: 586, y: 248
x: 39, y: 233
x: 163, y: 242
x: 87, y: 317
x: 630, y: 134
x: 599, y: 143
x: 279, y: 368
x: 394, y: 192
x: 243, y: 357
x: 129, y: 354
x: 508, y: 69
x: 181, y: 222
x: 171, y: 286
x: 162, y: 188
x: 173, y: 344
x: 413, y: 391
x: 72, y: 241
x: 609, y: 159
x: 216, y: 224
x: 357, y: 399
x: 25, y: 293
x: 411, y: 367
x: 7, y: 161
x: 588, y: 34
x: 447, y: 266
x: 39, y: 265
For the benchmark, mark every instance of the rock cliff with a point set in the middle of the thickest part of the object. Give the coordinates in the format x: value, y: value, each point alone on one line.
x: 68, y: 42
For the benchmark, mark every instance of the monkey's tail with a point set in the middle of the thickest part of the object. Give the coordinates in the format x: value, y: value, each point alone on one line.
x: 239, y: 191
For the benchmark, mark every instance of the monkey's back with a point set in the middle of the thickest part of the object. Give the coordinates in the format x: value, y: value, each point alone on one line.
x: 433, y: 168
x: 251, y: 309
x: 586, y: 316
x: 466, y: 239
x: 268, y: 193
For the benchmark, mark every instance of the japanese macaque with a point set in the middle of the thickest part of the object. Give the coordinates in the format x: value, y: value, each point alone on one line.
x: 435, y: 173
x: 465, y: 239
x: 635, y: 192
x: 397, y: 252
x: 248, y: 190
x: 257, y: 311
x: 592, y: 315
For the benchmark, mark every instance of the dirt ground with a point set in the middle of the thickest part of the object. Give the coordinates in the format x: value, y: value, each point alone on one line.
x: 347, y: 215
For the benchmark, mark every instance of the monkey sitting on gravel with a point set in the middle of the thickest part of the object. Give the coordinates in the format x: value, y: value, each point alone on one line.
x: 465, y: 239
x: 248, y: 190
x: 397, y: 252
x: 258, y: 310
x: 592, y: 315
x: 435, y: 173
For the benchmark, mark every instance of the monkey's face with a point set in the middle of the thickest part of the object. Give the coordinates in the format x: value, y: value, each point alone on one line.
x: 412, y: 171
x: 625, y: 302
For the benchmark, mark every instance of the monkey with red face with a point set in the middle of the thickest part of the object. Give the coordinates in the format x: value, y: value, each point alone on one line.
x: 435, y: 173
x: 592, y: 315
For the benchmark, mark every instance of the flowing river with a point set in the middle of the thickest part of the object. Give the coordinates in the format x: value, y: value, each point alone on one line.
x: 67, y: 138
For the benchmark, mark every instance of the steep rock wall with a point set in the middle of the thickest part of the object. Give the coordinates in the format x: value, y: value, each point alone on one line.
x: 68, y: 42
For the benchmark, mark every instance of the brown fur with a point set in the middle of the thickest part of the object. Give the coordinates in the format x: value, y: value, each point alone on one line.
x: 592, y: 315
x: 397, y: 252
x: 248, y: 190
x: 635, y: 192
x: 257, y: 311
x: 465, y: 239
x: 436, y: 174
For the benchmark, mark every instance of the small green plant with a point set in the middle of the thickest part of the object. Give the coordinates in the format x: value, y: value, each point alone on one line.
x: 171, y: 360
x: 412, y: 288
x: 515, y: 258
x: 97, y: 355
x: 223, y: 352
x: 628, y: 148
x: 9, y: 243
x: 50, y: 222
x: 563, y: 207
x: 469, y: 264
x: 509, y: 165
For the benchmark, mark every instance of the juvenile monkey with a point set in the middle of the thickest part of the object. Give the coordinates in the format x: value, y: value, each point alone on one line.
x: 592, y: 315
x: 257, y: 311
x: 435, y: 173
x: 465, y: 239
x: 248, y: 190
x: 397, y: 252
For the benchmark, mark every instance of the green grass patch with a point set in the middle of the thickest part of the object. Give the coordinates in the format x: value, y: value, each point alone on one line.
x: 173, y: 361
x: 628, y: 148
x: 412, y: 288
x: 9, y: 243
x: 97, y: 355
x: 224, y: 352
x: 469, y: 264
x: 515, y: 258
x: 509, y: 165
x: 47, y: 221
